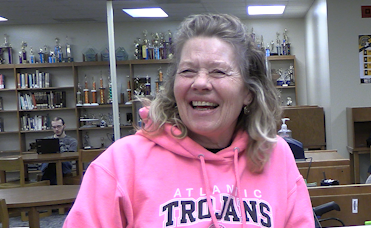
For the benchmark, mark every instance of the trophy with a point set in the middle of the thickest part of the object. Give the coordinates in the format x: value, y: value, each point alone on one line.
x: 78, y: 95
x: 159, y: 81
x: 94, y: 93
x: 6, y: 47
x: 286, y: 44
x: 41, y: 56
x: 145, y: 45
x: 68, y: 51
x: 101, y: 90
x: 109, y: 99
x: 272, y: 46
x: 278, y: 42
x: 291, y: 75
x: 103, y: 122
x: 86, y: 93
x: 156, y: 46
x: 52, y: 58
x: 102, y: 142
x: 86, y: 141
x: 32, y: 56
x: 23, y: 53
x: 137, y: 49
x: 161, y: 48
x: 289, y: 101
x: 110, y: 119
x: 170, y: 48
x: 147, y: 86
x: 128, y: 90
x: 58, y: 51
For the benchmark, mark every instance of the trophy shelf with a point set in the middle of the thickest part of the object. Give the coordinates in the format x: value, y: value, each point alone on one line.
x: 46, y: 88
x: 64, y: 77
x: 281, y: 57
x: 283, y: 63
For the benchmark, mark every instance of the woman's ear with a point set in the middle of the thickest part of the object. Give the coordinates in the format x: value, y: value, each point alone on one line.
x: 248, y: 98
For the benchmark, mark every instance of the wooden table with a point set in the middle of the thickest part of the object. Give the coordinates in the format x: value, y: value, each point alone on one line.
x: 329, y: 161
x: 56, y: 158
x: 34, y: 199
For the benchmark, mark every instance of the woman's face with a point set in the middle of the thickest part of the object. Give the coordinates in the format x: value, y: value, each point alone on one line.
x: 209, y: 91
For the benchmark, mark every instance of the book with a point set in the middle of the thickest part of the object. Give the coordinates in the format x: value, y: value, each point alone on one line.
x: 2, y: 81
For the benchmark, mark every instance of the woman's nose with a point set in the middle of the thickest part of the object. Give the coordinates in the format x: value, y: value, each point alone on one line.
x: 202, y: 81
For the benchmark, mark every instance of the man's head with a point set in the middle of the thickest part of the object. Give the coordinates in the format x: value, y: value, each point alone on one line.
x: 58, y: 127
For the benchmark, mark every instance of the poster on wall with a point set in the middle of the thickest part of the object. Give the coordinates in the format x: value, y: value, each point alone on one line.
x: 364, y: 47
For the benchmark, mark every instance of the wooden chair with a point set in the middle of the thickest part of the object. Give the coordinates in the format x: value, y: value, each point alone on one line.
x: 9, y: 164
x: 85, y: 156
x: 4, y: 215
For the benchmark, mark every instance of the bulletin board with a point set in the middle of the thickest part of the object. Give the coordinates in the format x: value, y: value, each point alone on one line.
x: 364, y: 47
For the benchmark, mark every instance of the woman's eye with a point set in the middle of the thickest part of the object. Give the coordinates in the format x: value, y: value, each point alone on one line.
x: 187, y: 72
x: 217, y: 73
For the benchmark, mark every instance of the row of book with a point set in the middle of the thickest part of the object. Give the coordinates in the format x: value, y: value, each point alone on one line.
x: 33, y: 80
x: 35, y: 123
x: 42, y: 100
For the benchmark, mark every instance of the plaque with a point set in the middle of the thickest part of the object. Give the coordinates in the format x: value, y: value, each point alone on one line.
x: 121, y: 54
x: 105, y: 54
x: 90, y: 55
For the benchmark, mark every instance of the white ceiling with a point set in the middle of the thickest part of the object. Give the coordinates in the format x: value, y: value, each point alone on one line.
x: 23, y: 12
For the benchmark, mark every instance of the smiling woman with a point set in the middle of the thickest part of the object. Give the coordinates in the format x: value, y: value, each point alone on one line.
x: 207, y: 154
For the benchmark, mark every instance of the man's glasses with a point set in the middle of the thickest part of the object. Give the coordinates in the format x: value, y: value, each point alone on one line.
x: 57, y: 127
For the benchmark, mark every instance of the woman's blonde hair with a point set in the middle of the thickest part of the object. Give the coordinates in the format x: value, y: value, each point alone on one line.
x: 260, y: 118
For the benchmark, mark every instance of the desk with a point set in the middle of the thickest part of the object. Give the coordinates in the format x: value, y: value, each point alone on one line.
x: 328, y: 161
x: 56, y: 158
x: 33, y: 199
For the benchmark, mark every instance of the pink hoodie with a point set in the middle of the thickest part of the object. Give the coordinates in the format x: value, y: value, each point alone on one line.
x: 156, y: 181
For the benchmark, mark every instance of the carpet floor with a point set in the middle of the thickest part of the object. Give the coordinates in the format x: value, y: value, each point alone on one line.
x: 54, y: 221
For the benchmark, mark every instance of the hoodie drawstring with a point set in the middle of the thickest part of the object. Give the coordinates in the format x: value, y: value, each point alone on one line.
x: 242, y: 208
x: 208, y: 194
x: 207, y: 187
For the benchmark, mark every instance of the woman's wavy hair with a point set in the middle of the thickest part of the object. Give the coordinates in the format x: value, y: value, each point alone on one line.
x: 260, y: 118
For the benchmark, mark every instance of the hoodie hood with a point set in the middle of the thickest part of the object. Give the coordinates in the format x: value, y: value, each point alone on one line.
x: 186, y: 147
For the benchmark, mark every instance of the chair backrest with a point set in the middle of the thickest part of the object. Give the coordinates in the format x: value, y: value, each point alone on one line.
x: 4, y: 215
x: 86, y: 156
x: 9, y: 164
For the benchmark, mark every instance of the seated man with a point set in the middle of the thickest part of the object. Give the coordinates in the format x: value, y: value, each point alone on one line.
x: 66, y: 143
